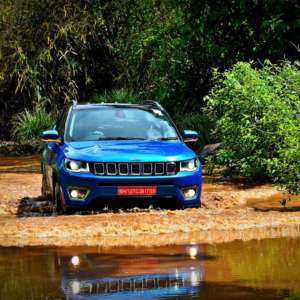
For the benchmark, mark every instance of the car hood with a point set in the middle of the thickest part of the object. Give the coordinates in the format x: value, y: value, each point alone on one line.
x: 124, y: 151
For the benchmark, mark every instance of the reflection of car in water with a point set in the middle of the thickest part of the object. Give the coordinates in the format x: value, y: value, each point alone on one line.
x: 148, y: 276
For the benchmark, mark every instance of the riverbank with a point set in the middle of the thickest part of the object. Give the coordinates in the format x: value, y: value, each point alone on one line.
x: 230, y: 211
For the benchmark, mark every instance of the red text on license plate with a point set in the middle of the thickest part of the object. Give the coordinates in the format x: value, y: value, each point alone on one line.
x: 137, y: 190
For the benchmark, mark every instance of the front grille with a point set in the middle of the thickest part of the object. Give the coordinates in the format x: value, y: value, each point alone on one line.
x: 135, y: 169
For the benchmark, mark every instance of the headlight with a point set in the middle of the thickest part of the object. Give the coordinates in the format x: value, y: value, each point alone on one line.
x: 76, y: 165
x: 189, y: 165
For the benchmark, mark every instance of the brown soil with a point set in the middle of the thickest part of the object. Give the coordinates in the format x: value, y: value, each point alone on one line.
x: 230, y: 211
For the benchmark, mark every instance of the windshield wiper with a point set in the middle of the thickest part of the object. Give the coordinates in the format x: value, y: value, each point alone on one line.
x: 119, y: 138
x: 170, y: 138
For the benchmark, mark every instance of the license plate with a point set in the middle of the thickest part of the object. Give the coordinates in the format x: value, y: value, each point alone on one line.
x: 137, y: 190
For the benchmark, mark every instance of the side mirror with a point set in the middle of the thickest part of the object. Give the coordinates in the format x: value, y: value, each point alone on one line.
x: 51, y: 136
x: 189, y: 136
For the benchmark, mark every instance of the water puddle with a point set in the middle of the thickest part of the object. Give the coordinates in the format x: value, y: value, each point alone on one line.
x: 257, y: 269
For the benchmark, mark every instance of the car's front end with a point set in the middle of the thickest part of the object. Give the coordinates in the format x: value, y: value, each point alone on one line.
x: 91, y: 180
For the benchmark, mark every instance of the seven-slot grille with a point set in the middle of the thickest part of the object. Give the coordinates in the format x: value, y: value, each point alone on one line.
x: 135, y: 168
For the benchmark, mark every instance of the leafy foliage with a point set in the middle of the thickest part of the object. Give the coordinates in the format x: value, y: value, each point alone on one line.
x: 167, y: 48
x: 58, y: 50
x: 51, y: 51
x: 28, y: 125
x: 116, y: 95
x: 257, y: 118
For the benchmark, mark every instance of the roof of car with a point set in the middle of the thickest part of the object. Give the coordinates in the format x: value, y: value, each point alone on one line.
x: 91, y: 105
x: 146, y: 104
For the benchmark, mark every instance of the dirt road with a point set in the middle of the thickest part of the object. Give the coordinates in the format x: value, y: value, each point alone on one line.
x: 230, y: 211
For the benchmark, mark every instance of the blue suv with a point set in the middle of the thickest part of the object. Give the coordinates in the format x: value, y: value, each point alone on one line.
x: 98, y: 153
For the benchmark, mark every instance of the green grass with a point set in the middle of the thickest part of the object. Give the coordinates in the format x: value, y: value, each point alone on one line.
x: 116, y: 95
x: 28, y: 125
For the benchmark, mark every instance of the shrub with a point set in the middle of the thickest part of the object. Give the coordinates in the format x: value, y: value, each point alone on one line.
x: 257, y: 119
x: 116, y: 95
x: 29, y: 124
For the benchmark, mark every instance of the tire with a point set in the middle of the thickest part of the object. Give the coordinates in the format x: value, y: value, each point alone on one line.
x: 193, y: 206
x: 57, y: 203
x: 43, y: 188
x: 44, y: 184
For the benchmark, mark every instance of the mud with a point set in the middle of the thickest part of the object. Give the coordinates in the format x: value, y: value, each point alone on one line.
x: 13, y: 149
x: 230, y: 211
x: 148, y: 228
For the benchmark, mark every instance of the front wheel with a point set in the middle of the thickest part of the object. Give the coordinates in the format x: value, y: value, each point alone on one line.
x: 58, y: 201
x: 193, y: 206
x: 43, y: 189
x: 58, y: 205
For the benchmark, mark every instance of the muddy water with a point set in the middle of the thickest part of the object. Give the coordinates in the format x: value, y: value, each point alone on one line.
x: 265, y: 269
x: 230, y: 210
x: 243, y: 269
x: 30, y: 163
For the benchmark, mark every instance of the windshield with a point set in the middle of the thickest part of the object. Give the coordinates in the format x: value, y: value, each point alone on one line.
x: 119, y: 123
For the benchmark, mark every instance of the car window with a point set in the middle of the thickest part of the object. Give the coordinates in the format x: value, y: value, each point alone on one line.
x: 108, y: 122
x: 61, y: 121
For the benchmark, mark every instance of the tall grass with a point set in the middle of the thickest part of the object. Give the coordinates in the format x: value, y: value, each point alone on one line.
x: 28, y: 125
x: 116, y: 95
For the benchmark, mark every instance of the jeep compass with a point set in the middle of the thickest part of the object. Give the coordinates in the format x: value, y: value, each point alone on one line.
x: 99, y: 153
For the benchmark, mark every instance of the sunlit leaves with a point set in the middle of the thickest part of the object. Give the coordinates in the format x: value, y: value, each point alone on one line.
x: 256, y: 113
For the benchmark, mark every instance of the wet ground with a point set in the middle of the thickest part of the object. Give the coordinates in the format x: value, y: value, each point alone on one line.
x: 231, y: 210
x: 242, y: 244
x: 257, y: 269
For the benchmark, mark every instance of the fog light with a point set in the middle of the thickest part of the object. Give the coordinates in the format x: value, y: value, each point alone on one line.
x: 75, y: 260
x: 189, y: 193
x: 78, y: 194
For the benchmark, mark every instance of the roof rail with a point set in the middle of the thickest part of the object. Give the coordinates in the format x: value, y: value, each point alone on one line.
x: 153, y: 103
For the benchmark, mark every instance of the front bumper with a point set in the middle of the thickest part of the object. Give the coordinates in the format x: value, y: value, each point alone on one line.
x: 106, y: 187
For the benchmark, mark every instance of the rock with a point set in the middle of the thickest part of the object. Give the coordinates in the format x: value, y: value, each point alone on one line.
x: 209, y: 149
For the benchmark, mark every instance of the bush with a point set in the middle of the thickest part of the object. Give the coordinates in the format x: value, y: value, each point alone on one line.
x: 116, y: 95
x: 257, y: 119
x: 29, y: 124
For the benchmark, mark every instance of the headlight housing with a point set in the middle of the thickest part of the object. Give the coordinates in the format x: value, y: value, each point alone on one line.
x: 189, y: 165
x: 76, y: 165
